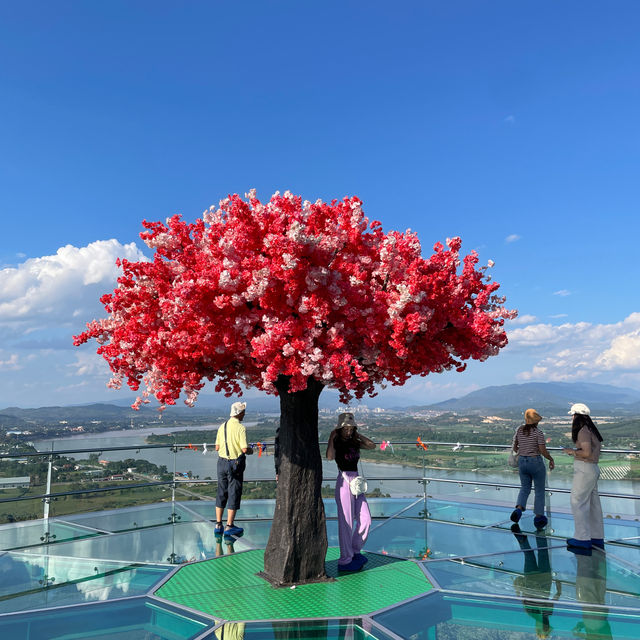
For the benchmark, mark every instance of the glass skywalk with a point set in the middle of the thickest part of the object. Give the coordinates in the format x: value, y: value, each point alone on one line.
x: 438, y: 570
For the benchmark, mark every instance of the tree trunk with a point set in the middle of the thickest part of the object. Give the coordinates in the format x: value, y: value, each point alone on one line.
x: 297, y: 543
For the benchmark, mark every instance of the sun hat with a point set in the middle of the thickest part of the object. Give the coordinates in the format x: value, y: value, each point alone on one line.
x: 346, y: 420
x: 531, y: 416
x: 580, y: 408
x: 237, y: 408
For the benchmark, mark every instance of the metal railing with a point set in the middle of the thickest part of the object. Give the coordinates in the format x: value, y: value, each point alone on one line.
x: 174, y: 483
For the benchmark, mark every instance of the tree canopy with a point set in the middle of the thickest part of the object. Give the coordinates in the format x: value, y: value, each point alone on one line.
x: 253, y: 291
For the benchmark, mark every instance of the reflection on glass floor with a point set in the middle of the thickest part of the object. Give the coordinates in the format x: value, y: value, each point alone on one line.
x: 445, y: 616
x: 95, y: 574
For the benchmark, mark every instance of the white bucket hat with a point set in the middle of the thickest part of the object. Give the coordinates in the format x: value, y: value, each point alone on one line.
x: 237, y: 408
x: 580, y: 408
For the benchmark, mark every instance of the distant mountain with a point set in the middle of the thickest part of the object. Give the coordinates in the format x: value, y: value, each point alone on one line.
x: 96, y: 411
x: 546, y: 397
x: 120, y: 410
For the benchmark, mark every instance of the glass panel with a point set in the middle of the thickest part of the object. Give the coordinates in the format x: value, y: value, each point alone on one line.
x: 543, y: 573
x: 561, y: 525
x: 624, y: 553
x: 25, y: 534
x: 410, y: 538
x: 379, y: 507
x: 615, y: 529
x: 135, y: 619
x: 37, y: 582
x: 132, y: 517
x: 183, y: 542
x: 463, y: 492
x: 120, y: 495
x: 248, y: 509
x: 439, y: 616
x: 382, y: 507
x: 171, y: 544
x: 304, y: 630
x: 22, y: 510
x: 460, y: 512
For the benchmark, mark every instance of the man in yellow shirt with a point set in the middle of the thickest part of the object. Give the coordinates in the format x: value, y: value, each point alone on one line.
x: 232, y: 447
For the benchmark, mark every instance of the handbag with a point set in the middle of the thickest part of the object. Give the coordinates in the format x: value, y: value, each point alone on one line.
x: 357, y: 485
x: 514, y: 456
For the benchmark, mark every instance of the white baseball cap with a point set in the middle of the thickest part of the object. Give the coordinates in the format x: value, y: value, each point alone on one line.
x: 580, y: 408
x: 237, y: 408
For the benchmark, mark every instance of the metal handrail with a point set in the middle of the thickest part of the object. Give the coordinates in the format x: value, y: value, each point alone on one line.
x: 418, y: 479
x: 56, y: 452
x: 181, y: 445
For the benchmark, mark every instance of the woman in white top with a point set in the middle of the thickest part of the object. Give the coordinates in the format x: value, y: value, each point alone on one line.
x: 529, y: 443
x: 585, y: 499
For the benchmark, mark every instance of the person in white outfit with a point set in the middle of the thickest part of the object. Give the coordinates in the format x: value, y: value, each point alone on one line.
x: 585, y: 500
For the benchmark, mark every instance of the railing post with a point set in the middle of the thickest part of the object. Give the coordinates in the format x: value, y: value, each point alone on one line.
x: 547, y: 504
x: 47, y: 500
x: 174, y: 450
x: 173, y: 557
x: 424, y: 481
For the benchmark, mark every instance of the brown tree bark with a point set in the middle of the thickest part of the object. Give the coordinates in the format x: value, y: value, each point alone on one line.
x: 297, y: 545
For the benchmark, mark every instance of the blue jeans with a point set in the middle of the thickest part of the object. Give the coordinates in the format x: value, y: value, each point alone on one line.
x: 532, y: 468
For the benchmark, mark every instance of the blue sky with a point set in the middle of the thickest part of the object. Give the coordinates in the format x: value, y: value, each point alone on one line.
x: 511, y: 124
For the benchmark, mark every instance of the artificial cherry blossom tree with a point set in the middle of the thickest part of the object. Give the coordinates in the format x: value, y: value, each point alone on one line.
x: 291, y: 297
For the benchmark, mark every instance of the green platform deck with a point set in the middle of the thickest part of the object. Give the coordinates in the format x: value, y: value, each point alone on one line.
x: 206, y: 587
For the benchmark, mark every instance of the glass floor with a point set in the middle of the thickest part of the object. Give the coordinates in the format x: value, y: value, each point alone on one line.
x: 444, y: 570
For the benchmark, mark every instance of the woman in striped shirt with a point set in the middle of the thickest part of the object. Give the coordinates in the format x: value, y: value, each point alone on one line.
x: 528, y: 442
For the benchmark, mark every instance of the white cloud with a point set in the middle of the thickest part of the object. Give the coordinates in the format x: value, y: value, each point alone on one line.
x: 54, y: 289
x: 537, y: 335
x: 89, y: 363
x: 512, y: 238
x: 524, y: 319
x: 562, y: 292
x: 624, y: 352
x: 510, y: 119
x: 11, y: 362
x: 581, y: 350
x: 559, y: 315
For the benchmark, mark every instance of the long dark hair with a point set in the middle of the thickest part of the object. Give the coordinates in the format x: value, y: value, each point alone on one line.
x: 579, y: 421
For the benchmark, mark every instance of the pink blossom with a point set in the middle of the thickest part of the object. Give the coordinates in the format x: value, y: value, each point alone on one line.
x: 257, y: 290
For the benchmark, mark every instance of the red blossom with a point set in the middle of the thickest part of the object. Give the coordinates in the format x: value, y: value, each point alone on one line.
x: 257, y: 290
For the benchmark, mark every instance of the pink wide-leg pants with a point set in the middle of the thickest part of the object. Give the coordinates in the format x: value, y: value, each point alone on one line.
x: 351, y: 510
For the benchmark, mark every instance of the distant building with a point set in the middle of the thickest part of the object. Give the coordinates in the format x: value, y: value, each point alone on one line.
x: 361, y: 408
x: 15, y: 483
